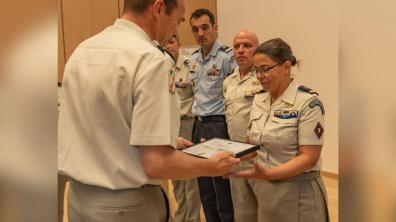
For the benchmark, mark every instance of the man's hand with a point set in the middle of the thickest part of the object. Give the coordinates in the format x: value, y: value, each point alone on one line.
x: 221, y: 163
x: 183, y: 143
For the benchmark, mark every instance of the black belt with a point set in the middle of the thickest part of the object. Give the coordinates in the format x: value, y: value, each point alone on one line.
x: 214, y: 118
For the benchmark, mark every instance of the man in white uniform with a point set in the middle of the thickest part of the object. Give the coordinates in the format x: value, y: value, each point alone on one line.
x: 119, y: 120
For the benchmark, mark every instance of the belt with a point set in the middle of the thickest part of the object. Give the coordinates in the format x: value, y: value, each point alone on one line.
x: 302, y: 177
x: 214, y: 118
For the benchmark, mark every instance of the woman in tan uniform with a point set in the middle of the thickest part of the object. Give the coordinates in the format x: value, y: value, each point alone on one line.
x: 287, y: 121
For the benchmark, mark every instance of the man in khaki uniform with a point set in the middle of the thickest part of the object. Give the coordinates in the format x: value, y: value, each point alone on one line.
x: 119, y: 121
x: 239, y: 90
x: 186, y: 191
x: 241, y: 86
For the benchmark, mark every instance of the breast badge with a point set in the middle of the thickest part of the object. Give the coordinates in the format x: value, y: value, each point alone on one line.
x: 286, y: 114
x: 214, y: 71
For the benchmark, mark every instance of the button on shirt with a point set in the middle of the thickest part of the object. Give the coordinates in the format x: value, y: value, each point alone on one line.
x: 115, y: 84
x: 292, y: 120
x: 207, y: 76
x: 238, y: 98
x: 183, y: 87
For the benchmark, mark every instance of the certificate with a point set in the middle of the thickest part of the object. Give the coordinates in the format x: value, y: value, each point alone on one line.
x: 208, y: 148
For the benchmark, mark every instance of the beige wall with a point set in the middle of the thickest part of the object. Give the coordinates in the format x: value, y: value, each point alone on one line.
x: 311, y: 28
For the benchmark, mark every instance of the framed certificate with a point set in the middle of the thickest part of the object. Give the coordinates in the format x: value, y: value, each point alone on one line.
x: 209, y: 148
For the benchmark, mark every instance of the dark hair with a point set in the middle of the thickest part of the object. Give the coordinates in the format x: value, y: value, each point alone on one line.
x: 203, y: 11
x: 139, y: 6
x: 278, y: 50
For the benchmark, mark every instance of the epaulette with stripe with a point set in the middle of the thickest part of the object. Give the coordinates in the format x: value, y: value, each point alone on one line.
x: 225, y: 48
x: 308, y: 90
x: 261, y: 91
x: 161, y: 49
x: 166, y: 51
x: 196, y: 51
x: 231, y: 72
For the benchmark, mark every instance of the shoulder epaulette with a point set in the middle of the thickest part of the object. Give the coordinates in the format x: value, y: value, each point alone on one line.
x: 308, y: 90
x: 261, y: 91
x: 161, y: 49
x: 196, y: 51
x: 231, y: 72
x: 317, y: 102
x: 166, y: 52
x: 225, y: 48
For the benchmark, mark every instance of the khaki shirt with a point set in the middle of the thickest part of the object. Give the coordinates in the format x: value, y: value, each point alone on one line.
x: 238, y: 98
x: 295, y: 119
x: 183, y: 87
x: 115, y: 98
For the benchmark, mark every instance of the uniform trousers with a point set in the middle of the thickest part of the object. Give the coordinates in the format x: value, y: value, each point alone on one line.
x: 215, y: 192
x: 186, y: 191
x: 301, y: 198
x: 87, y: 203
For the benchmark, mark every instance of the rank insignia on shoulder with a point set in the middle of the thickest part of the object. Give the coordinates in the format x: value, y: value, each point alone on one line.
x: 229, y: 73
x: 308, y: 90
x: 251, y: 94
x: 286, y: 114
x: 255, y: 83
x: 225, y: 48
x: 318, y: 130
x: 181, y: 85
x: 196, y: 51
x: 317, y: 102
x: 161, y: 49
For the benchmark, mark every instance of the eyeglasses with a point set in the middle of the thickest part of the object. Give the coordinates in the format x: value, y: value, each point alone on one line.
x: 263, y: 69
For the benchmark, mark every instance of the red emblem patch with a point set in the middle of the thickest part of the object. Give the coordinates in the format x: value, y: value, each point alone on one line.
x: 319, y: 130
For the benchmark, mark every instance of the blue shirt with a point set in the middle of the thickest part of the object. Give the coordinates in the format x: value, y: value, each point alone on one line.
x: 207, y: 76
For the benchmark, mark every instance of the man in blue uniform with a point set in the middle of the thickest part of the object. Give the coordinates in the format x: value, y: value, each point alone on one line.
x: 209, y: 65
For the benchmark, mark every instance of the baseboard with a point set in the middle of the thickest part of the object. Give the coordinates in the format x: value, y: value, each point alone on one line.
x: 329, y: 174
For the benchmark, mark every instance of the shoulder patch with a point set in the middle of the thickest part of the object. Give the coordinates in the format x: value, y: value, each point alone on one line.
x: 225, y: 48
x: 308, y: 90
x: 317, y: 102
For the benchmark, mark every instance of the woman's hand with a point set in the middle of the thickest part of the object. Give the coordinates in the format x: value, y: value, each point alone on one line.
x: 257, y: 172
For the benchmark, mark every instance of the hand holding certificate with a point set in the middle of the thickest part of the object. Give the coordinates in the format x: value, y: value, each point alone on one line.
x: 209, y: 148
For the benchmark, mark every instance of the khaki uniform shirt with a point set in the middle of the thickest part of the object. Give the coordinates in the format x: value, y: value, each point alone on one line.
x: 183, y: 87
x: 238, y: 98
x: 115, y: 98
x: 295, y: 118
